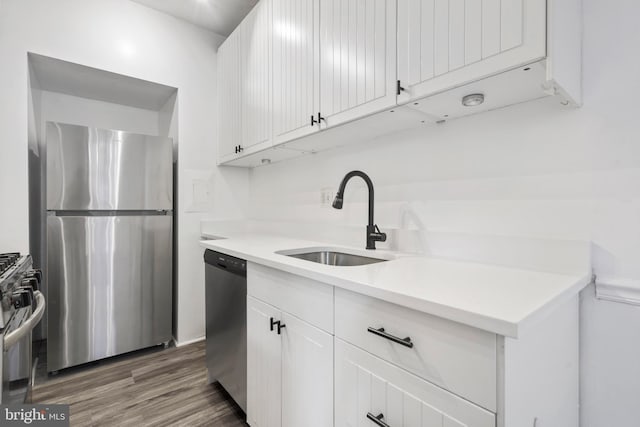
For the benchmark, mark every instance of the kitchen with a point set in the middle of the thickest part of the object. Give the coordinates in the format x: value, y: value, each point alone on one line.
x: 505, y: 219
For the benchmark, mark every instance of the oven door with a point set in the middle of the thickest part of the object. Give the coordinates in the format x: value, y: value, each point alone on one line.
x: 16, y: 363
x: 16, y: 354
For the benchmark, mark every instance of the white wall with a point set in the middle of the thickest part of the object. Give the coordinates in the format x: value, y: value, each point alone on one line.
x: 58, y: 107
x: 533, y: 171
x: 126, y: 38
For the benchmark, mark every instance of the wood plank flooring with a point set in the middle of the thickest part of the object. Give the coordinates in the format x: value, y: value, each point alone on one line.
x: 156, y: 388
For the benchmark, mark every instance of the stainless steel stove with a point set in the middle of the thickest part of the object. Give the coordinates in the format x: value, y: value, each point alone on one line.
x: 21, y: 308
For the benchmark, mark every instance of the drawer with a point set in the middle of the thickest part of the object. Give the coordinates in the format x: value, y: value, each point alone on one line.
x: 366, y: 386
x: 306, y: 299
x: 456, y: 357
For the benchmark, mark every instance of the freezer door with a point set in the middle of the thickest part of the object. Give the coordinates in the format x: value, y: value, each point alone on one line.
x: 109, y: 286
x: 97, y: 169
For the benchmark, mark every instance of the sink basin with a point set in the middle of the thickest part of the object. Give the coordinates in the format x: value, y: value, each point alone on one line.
x: 332, y: 257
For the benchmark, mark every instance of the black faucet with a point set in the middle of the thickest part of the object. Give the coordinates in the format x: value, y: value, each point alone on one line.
x: 373, y: 232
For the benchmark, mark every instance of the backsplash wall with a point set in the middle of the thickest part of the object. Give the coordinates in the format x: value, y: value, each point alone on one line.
x: 532, y: 171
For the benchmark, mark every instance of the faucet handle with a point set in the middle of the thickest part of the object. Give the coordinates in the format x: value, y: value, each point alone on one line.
x: 379, y: 235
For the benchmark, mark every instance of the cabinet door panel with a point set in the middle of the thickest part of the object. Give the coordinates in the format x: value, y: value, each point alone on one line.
x: 229, y: 110
x: 264, y: 369
x: 295, y: 68
x: 357, y: 58
x: 446, y: 43
x: 256, y: 77
x: 307, y: 375
x: 365, y: 384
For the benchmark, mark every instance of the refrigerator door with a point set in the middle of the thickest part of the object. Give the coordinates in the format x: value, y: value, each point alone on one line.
x: 97, y: 169
x: 109, y: 286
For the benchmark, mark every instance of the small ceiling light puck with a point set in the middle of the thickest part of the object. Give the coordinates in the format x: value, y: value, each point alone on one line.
x: 265, y: 161
x: 473, y: 100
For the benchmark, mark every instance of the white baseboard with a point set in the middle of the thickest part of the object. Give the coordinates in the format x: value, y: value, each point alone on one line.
x: 183, y: 343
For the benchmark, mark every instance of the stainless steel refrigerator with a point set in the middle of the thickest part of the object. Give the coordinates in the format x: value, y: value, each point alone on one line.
x: 109, y: 242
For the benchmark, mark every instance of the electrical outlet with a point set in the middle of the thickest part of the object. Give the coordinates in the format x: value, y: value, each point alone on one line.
x: 326, y: 196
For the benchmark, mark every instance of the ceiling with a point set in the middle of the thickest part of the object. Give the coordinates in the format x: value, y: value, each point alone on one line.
x: 219, y: 16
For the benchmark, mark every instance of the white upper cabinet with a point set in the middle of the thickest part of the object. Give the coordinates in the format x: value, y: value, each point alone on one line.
x: 256, y: 77
x: 296, y: 84
x: 229, y: 105
x: 342, y: 71
x: 357, y: 58
x: 447, y: 43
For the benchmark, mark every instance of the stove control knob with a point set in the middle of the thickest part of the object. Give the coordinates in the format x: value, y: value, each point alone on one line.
x: 35, y: 273
x: 30, y: 282
x: 21, y: 298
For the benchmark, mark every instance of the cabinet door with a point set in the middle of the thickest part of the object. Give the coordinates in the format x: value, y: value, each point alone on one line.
x: 446, y: 43
x: 307, y: 375
x: 256, y: 77
x: 295, y: 68
x: 357, y: 58
x: 264, y: 386
x: 228, y: 98
x: 366, y: 386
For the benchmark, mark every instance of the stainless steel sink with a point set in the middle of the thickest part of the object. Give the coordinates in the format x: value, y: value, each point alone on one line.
x: 335, y: 258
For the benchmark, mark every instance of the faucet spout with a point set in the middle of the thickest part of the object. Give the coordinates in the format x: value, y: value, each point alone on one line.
x: 373, y: 232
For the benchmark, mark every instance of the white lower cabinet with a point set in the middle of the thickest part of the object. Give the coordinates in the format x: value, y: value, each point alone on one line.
x: 307, y: 375
x: 264, y: 366
x: 390, y: 366
x: 289, y: 370
x: 370, y: 392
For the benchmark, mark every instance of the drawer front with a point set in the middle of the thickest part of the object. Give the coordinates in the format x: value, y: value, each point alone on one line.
x: 456, y: 357
x: 306, y: 299
x: 366, y: 387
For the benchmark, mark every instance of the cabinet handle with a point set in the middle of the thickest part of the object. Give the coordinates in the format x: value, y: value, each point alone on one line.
x: 240, y: 149
x: 399, y: 88
x: 236, y: 148
x: 381, y: 333
x: 320, y: 118
x: 377, y: 420
x: 281, y: 326
x: 313, y: 120
x: 274, y: 322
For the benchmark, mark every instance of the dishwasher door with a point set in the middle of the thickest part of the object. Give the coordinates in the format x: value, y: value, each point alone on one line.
x: 226, y: 312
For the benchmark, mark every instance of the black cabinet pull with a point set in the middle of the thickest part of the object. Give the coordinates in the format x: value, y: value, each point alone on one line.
x: 399, y: 88
x: 377, y: 420
x: 381, y: 333
x: 276, y: 324
x: 240, y: 149
x: 236, y: 149
x: 313, y: 120
x: 320, y: 118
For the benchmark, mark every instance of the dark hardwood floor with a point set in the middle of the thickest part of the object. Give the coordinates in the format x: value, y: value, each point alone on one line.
x: 150, y: 388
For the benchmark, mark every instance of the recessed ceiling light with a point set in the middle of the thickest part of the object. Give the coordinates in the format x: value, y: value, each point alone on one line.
x: 473, y: 100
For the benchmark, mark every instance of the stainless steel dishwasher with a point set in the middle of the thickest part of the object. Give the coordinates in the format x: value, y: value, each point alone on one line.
x: 226, y: 312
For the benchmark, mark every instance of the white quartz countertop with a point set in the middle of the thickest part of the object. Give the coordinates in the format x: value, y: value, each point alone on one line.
x: 497, y: 299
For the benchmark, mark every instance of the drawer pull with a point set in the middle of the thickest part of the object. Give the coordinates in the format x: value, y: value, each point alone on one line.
x: 377, y: 420
x: 381, y: 333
